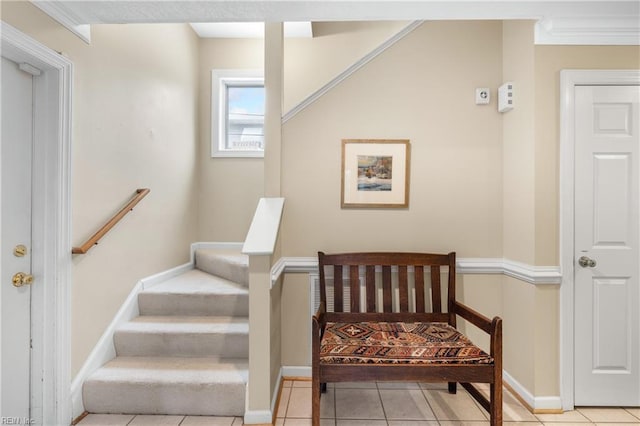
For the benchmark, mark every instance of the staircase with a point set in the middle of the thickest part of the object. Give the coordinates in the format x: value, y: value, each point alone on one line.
x: 187, y: 353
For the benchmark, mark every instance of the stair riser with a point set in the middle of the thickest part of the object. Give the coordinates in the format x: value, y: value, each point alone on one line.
x: 194, y: 304
x: 222, y: 267
x: 220, y: 345
x: 161, y: 398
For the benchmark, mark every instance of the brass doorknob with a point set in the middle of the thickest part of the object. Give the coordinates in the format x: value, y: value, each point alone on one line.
x: 21, y: 278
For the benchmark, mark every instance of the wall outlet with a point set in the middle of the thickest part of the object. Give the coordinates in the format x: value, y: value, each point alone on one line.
x: 483, y: 96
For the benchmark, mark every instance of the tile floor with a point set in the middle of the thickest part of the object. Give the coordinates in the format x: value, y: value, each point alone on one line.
x: 386, y: 404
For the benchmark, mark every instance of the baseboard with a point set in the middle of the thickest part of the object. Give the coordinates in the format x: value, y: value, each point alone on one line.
x: 105, y: 351
x: 257, y: 417
x: 263, y: 417
x: 536, y: 404
x: 290, y: 372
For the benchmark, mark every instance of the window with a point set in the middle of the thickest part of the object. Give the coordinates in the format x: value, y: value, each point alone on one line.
x: 237, y: 113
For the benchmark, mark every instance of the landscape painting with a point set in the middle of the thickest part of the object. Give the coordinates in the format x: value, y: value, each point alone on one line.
x: 375, y: 173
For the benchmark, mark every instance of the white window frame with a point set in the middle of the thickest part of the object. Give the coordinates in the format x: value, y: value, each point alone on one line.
x: 220, y: 79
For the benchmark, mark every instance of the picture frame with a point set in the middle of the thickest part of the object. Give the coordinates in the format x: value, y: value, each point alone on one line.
x: 375, y: 173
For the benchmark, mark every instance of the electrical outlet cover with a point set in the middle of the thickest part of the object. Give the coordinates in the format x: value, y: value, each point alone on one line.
x: 483, y: 96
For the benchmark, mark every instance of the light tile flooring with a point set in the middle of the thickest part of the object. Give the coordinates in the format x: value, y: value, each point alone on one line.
x: 387, y: 404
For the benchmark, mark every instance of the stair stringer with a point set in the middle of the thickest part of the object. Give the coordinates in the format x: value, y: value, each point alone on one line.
x: 309, y: 100
x: 105, y: 350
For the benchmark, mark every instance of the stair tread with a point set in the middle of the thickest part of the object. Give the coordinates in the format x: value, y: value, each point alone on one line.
x: 173, y: 370
x: 186, y: 324
x: 196, y: 281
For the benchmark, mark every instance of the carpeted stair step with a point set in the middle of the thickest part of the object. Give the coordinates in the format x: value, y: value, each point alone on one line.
x: 222, y: 337
x: 168, y: 385
x: 195, y: 293
x: 233, y: 267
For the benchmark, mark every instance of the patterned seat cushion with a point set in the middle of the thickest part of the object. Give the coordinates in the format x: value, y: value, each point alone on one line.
x: 398, y: 343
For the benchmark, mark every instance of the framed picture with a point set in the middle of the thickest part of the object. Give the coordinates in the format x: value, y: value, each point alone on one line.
x: 375, y: 173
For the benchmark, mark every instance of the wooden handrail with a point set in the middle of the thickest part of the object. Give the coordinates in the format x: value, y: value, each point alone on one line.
x: 140, y: 194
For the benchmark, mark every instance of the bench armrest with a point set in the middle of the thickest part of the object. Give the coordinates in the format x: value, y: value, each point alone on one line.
x: 319, y: 321
x: 492, y: 327
x: 474, y: 317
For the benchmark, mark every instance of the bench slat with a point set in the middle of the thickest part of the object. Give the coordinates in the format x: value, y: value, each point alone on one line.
x: 387, y: 301
x: 403, y: 287
x: 354, y: 280
x: 371, y: 288
x: 419, y: 284
x: 436, y: 292
x: 337, y: 289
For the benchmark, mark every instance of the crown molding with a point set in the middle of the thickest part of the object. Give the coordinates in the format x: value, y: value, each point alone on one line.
x: 65, y: 16
x: 600, y: 30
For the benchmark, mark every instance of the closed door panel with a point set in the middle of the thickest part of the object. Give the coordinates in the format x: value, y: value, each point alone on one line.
x: 607, y: 298
x: 15, y: 239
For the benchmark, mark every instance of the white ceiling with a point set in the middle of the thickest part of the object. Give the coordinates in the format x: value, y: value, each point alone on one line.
x: 94, y: 12
x: 610, y: 19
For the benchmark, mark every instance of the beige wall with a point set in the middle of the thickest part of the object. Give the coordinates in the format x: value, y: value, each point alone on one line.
x: 134, y: 125
x: 230, y: 187
x: 518, y: 151
x: 420, y: 89
x: 549, y: 61
x: 482, y: 183
x: 519, y: 233
x: 501, y: 167
x: 310, y: 63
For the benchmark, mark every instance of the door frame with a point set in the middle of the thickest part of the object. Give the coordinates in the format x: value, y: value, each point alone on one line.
x: 569, y: 79
x: 51, y: 224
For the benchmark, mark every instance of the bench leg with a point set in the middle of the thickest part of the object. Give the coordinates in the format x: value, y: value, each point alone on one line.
x: 316, y: 387
x: 495, y: 405
x: 453, y: 387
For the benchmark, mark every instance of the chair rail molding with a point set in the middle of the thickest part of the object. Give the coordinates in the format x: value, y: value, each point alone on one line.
x: 535, y: 275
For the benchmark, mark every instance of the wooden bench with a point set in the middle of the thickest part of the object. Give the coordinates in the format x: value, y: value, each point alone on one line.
x: 391, y: 327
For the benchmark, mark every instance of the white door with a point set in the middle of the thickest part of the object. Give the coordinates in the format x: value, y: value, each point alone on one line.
x: 607, y: 228
x: 15, y: 239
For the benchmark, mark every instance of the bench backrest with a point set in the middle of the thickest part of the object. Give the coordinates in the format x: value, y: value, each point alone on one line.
x: 391, y: 282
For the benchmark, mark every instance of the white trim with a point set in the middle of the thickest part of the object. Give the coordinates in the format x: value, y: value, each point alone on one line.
x: 276, y: 392
x: 252, y: 417
x: 51, y: 299
x: 592, y: 30
x: 535, y: 402
x: 105, y: 350
x: 249, y: 29
x: 351, y: 70
x: 535, y: 275
x: 66, y: 18
x: 265, y: 226
x: 289, y: 371
x: 569, y: 79
x: 221, y: 78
